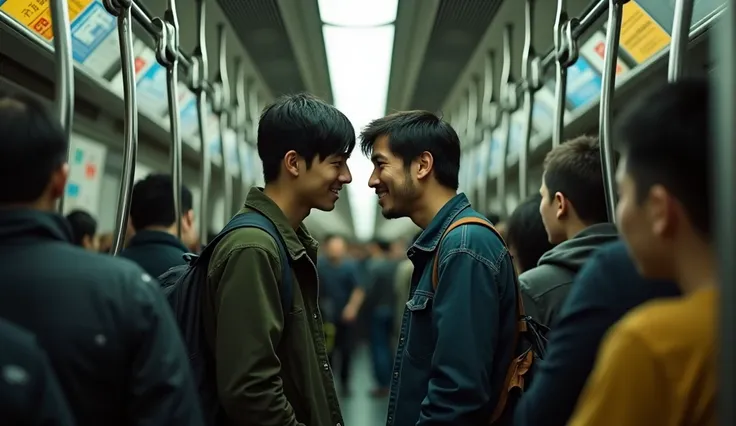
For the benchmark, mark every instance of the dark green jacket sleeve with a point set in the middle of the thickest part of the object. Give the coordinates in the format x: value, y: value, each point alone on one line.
x: 250, y: 322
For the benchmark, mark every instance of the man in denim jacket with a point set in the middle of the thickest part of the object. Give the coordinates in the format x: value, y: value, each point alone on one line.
x: 456, y: 343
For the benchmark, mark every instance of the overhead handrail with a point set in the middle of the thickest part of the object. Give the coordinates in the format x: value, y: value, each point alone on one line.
x: 472, y: 124
x: 221, y: 104
x: 680, y: 37
x: 167, y: 46
x: 615, y: 13
x: 121, y: 9
x: 592, y: 13
x: 198, y: 85
x: 509, y: 103
x: 566, y: 48
x: 489, y: 107
x: 531, y: 80
x: 64, y: 64
x: 144, y: 17
x: 239, y: 119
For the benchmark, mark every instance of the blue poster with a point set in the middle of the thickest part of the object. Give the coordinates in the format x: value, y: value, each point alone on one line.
x: 494, y: 153
x: 90, y: 28
x: 583, y: 83
x: 152, y: 94
x: 188, y: 119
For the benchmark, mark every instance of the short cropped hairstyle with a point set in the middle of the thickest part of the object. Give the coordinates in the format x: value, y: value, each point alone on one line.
x: 574, y: 169
x: 33, y: 147
x: 525, y: 232
x: 152, y: 203
x: 305, y: 124
x: 410, y: 133
x: 82, y: 224
x: 666, y: 139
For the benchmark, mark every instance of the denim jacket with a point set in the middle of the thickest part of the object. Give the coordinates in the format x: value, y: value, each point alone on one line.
x: 455, y: 345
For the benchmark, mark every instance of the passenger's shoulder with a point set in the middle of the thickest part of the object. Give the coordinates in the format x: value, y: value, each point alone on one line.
x: 243, y: 239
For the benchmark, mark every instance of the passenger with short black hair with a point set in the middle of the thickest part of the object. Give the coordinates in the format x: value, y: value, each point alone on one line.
x: 104, y: 323
x: 272, y: 366
x: 155, y: 245
x: 526, y: 236
x: 456, y: 341
x: 84, y: 230
x: 573, y: 209
x: 657, y: 366
x: 30, y: 394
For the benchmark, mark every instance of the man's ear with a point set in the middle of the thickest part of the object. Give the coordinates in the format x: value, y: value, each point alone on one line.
x: 424, y: 164
x: 291, y: 163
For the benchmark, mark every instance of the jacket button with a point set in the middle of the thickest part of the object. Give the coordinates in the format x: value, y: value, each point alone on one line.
x: 315, y: 316
x: 326, y: 366
x: 396, y: 374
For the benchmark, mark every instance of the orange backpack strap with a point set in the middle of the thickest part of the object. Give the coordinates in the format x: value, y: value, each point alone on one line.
x: 519, y: 366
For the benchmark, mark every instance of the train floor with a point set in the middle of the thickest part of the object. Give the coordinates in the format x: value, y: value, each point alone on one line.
x: 360, y: 408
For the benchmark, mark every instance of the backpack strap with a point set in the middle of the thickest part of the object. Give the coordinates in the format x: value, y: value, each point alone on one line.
x: 254, y: 219
x: 513, y: 372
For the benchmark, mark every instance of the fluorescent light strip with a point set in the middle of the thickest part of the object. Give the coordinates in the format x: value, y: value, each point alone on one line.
x: 359, y: 60
x: 358, y: 13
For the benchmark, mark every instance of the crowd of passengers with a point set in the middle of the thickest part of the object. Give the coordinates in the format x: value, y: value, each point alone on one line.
x: 561, y: 318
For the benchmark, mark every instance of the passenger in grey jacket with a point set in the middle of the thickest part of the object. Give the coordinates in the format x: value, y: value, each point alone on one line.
x: 573, y: 210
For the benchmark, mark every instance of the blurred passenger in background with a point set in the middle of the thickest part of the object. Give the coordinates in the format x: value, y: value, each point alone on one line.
x: 526, y: 236
x: 84, y: 230
x: 339, y: 286
x: 155, y: 246
x: 658, y: 365
x: 102, y: 321
x: 381, y: 270
x: 573, y: 210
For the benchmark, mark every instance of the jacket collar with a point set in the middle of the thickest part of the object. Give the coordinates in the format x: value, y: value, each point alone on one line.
x: 19, y: 223
x: 146, y: 237
x: 297, y: 242
x: 430, y: 237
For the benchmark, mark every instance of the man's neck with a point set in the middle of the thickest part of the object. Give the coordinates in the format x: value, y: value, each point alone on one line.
x: 696, y: 268
x: 431, y: 204
x: 288, y: 204
x: 166, y: 229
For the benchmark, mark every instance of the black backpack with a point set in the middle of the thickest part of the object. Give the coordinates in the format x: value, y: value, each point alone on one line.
x: 184, y: 286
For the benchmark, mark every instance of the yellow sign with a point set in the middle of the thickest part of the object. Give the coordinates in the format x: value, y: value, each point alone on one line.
x: 36, y: 14
x: 641, y: 36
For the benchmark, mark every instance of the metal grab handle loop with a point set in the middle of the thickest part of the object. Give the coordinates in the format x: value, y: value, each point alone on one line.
x: 199, y: 74
x: 221, y: 105
x: 122, y: 10
x: 508, y: 105
x: 531, y: 77
x: 64, y: 64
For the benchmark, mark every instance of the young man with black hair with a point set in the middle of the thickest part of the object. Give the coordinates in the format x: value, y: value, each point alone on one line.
x: 456, y: 342
x: 104, y: 323
x: 657, y: 366
x: 526, y: 236
x: 573, y: 209
x: 155, y: 245
x: 272, y: 366
x: 84, y: 230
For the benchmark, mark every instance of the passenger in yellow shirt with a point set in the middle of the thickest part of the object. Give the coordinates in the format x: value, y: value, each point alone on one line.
x: 657, y: 365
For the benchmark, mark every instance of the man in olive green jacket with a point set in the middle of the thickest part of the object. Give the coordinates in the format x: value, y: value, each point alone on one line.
x: 271, y: 362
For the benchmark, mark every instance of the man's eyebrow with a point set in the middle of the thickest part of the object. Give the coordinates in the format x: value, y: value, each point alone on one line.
x: 377, y: 157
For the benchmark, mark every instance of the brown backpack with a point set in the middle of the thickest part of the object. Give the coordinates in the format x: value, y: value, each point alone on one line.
x: 521, y: 363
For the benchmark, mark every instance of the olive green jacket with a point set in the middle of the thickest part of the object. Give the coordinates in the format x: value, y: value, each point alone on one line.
x: 272, y: 366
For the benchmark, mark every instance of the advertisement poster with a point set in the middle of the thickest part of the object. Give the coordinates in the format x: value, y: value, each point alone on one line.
x: 36, y: 14
x: 231, y: 148
x: 662, y: 11
x: 516, y: 134
x: 641, y: 36
x: 495, y: 153
x: 594, y: 50
x: 481, y: 157
x: 86, y: 168
x: 152, y: 91
x: 583, y: 83
x: 543, y: 111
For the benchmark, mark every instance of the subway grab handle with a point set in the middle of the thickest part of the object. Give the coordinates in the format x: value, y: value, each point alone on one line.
x: 64, y: 96
x: 531, y: 78
x: 615, y: 12
x: 489, y: 108
x: 122, y: 10
x: 221, y: 103
x: 509, y: 103
x: 680, y: 37
x: 167, y: 49
x: 197, y: 83
x: 240, y: 119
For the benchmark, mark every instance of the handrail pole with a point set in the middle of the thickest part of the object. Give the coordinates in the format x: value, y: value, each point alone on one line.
x: 122, y: 10
x: 64, y: 64
x: 222, y: 104
x: 198, y: 82
x: 508, y: 105
x: 680, y: 37
x: 615, y: 12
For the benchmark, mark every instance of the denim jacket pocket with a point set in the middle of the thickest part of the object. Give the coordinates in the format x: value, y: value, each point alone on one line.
x: 419, y: 345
